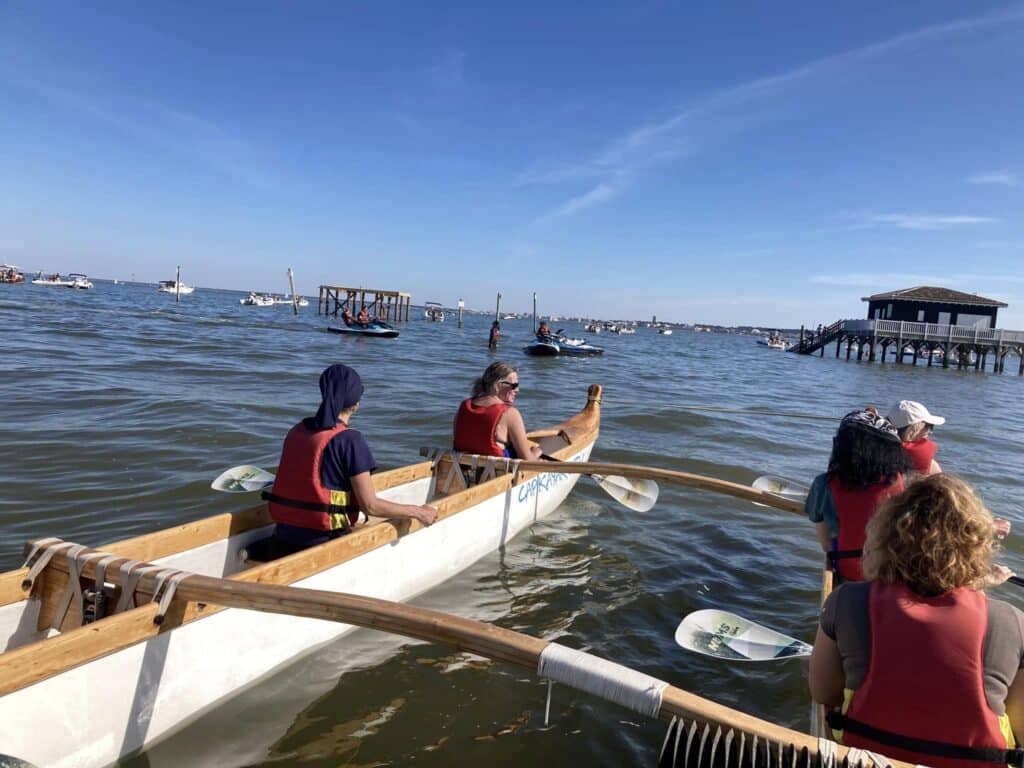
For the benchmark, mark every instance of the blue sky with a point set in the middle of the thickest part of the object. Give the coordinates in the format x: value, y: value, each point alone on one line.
x: 764, y: 163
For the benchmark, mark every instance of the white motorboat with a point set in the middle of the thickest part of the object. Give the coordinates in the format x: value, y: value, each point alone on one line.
x: 11, y: 274
x: 173, y: 286
x: 301, y: 301
x: 103, y: 688
x: 258, y: 300
x: 79, y: 281
x: 54, y: 280
x: 665, y: 331
x: 433, y: 311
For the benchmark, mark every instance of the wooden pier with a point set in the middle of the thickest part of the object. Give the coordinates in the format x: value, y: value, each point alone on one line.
x: 960, y: 345
x: 390, y: 306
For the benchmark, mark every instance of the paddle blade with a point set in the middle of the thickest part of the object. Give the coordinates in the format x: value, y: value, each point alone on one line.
x: 637, y: 494
x: 781, y: 487
x: 728, y: 636
x: 243, y: 479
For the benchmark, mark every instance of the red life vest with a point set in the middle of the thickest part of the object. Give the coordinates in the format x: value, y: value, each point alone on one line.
x: 921, y: 452
x: 474, y: 428
x: 298, y: 497
x: 854, y: 507
x: 925, y: 681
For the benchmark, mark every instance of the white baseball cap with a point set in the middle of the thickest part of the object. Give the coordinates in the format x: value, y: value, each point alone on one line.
x: 908, y: 412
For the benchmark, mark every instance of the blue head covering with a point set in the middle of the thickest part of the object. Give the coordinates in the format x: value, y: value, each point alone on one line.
x: 341, y: 388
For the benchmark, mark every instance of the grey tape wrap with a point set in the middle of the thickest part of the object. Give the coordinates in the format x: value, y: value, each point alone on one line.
x: 600, y: 677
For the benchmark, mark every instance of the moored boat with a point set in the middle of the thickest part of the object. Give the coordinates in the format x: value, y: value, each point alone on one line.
x: 375, y: 328
x: 11, y: 274
x: 53, y: 281
x: 121, y: 682
x: 79, y: 281
x: 257, y: 300
x: 173, y: 286
x: 554, y: 346
x: 433, y: 311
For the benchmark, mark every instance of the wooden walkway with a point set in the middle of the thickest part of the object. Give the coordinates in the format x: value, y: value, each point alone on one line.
x: 957, y: 345
x: 335, y: 299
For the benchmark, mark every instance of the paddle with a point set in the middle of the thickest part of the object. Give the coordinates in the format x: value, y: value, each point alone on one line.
x: 725, y: 635
x: 781, y: 488
x: 242, y: 479
x: 635, y: 471
x: 638, y: 495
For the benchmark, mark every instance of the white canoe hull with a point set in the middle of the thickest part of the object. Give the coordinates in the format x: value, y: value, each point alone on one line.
x: 113, y: 706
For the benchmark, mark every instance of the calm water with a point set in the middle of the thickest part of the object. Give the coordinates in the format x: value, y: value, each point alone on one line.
x: 120, y: 407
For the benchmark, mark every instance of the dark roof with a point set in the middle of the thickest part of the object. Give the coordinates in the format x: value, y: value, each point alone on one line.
x: 931, y: 293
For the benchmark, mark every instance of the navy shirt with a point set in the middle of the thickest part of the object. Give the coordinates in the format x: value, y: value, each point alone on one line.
x: 347, y: 455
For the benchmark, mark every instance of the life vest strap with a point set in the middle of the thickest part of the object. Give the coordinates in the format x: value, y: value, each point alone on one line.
x: 1011, y: 757
x: 843, y: 554
x: 310, y: 506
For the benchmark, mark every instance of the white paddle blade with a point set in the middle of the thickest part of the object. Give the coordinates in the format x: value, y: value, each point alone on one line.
x: 725, y: 635
x: 781, y: 487
x: 243, y: 479
x: 638, y: 495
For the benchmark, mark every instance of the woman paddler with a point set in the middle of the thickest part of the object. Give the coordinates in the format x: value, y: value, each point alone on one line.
x: 866, y: 467
x: 914, y: 423
x: 922, y: 665
x: 489, y: 424
x: 323, y: 483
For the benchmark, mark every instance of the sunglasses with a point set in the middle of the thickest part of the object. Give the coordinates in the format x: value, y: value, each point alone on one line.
x: 510, y: 385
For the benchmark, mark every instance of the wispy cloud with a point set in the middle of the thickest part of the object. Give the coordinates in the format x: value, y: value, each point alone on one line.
x: 163, y: 128
x: 1003, y: 177
x: 926, y: 222
x: 715, y: 117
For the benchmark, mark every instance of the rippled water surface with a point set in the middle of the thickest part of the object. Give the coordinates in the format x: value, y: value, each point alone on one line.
x: 120, y: 407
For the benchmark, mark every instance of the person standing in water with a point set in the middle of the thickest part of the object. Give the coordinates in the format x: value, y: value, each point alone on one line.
x: 323, y: 486
x: 495, y: 336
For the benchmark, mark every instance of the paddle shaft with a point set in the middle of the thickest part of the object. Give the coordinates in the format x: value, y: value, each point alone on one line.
x: 461, y: 634
x: 685, y: 479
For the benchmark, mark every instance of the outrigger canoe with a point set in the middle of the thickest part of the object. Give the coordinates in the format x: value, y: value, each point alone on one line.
x: 84, y: 695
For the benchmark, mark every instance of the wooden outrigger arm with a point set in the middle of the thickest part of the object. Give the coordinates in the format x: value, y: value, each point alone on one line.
x: 712, y: 723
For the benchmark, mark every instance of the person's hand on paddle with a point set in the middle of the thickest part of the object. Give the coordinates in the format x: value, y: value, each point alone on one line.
x: 1002, y: 528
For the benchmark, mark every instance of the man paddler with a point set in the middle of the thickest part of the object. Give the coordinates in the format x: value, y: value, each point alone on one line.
x: 323, y: 486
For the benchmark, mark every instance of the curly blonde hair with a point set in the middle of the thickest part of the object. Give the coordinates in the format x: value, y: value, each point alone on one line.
x: 934, y: 537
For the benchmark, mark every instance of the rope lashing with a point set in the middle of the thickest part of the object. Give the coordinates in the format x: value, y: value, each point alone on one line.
x: 40, y: 556
x: 600, y: 677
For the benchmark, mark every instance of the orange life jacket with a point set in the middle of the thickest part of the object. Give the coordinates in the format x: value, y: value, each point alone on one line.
x: 854, y: 508
x: 923, y: 699
x: 299, y: 497
x: 474, y: 428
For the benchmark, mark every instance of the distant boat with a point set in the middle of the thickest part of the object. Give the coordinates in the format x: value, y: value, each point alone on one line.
x: 11, y: 274
x: 665, y: 331
x: 54, y: 280
x: 172, y: 286
x: 257, y: 300
x: 433, y: 310
x: 509, y: 317
x: 79, y: 281
x: 286, y: 299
